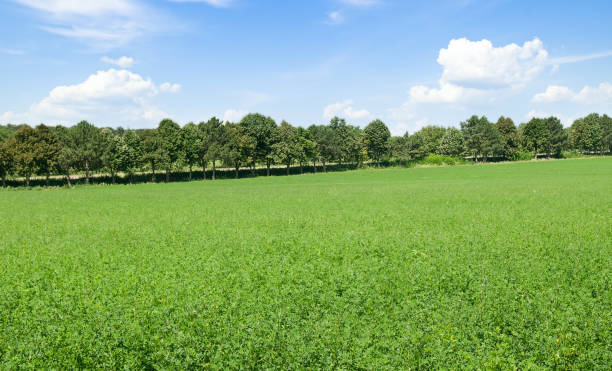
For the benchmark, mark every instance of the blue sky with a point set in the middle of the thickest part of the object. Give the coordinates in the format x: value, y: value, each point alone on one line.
x: 131, y: 63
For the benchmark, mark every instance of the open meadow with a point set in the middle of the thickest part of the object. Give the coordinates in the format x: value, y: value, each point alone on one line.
x: 478, y: 266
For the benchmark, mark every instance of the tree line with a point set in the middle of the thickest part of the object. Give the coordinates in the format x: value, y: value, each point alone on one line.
x: 257, y: 140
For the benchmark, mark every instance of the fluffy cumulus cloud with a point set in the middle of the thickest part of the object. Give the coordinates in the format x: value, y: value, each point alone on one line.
x: 114, y: 97
x: 480, y: 64
x: 171, y: 88
x: 345, y: 109
x: 470, y: 68
x: 123, y: 62
x: 600, y: 94
x: 446, y: 93
x: 233, y: 115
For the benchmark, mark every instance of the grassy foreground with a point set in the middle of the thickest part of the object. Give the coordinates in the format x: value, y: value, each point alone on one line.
x: 492, y: 266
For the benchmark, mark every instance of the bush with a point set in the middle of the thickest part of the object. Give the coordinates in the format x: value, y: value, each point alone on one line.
x: 441, y: 160
x: 522, y: 156
x: 571, y: 154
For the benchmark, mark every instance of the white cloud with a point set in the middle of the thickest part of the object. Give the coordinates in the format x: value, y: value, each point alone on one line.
x: 101, y: 25
x: 217, y: 3
x: 588, y: 95
x: 233, y: 115
x: 345, y: 109
x: 480, y: 64
x: 123, y: 62
x: 113, y: 97
x: 12, y: 51
x: 171, y: 88
x: 597, y: 94
x: 335, y: 17
x: 447, y: 93
x: 61, y: 8
x: 553, y: 93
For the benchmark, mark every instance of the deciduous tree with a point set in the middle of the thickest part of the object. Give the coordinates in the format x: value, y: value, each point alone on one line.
x: 377, y: 136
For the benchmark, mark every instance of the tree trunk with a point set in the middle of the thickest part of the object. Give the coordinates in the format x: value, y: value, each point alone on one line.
x: 378, y: 162
x: 167, y: 175
x: 27, y: 181
x: 3, y: 179
x: 288, y: 165
x: 86, y: 172
x: 203, y: 170
x: 153, y: 169
x: 314, y: 166
x: 237, y: 168
x: 214, y: 176
x: 301, y: 168
x: 68, y: 182
x: 253, y: 168
x: 190, y: 170
x: 112, y: 177
x: 268, y: 167
x: 47, y: 178
x: 324, y: 166
x: 131, y: 177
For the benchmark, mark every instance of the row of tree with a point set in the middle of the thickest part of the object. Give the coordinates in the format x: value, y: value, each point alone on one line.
x: 479, y: 139
x: 258, y: 140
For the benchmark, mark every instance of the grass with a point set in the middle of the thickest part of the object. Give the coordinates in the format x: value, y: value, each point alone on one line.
x: 491, y: 266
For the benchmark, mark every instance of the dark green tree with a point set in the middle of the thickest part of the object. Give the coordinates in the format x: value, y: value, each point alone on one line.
x: 326, y: 147
x: 214, y: 140
x: 587, y: 133
x: 87, y: 147
x: 169, y: 136
x: 510, y: 136
x: 133, y: 155
x: 557, y: 137
x: 6, y: 161
x: 114, y: 152
x: 452, y: 143
x: 606, y: 133
x: 286, y: 147
x: 153, y: 151
x: 22, y: 149
x: 67, y: 158
x: 47, y: 151
x: 263, y: 129
x: 239, y: 148
x: 192, y: 138
x: 377, y: 136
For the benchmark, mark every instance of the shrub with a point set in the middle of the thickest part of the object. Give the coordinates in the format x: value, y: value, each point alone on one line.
x: 571, y: 154
x: 522, y: 156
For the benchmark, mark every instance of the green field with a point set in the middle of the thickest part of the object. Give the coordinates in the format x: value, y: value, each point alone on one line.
x: 489, y: 266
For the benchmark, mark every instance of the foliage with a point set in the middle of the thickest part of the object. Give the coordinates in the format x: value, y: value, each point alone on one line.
x: 377, y: 136
x: 452, y: 143
x: 510, y: 136
x: 586, y: 133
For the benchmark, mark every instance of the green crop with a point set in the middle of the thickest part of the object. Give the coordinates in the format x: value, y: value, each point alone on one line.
x: 493, y: 266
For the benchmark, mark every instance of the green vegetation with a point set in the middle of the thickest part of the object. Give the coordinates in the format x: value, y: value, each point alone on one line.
x: 496, y: 266
x: 118, y: 155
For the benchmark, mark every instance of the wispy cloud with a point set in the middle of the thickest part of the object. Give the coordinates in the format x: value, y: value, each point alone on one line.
x: 12, y: 51
x: 101, y: 25
x: 123, y: 62
x: 335, y: 17
x: 579, y: 58
x: 362, y: 3
x: 217, y: 3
